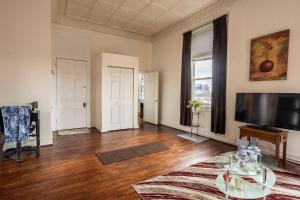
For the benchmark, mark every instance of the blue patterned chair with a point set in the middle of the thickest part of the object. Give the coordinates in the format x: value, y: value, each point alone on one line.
x: 30, y: 128
x: 2, y: 141
x: 2, y: 137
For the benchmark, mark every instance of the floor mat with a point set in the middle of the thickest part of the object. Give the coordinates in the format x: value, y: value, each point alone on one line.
x: 129, y: 153
x: 73, y: 131
x: 193, y: 137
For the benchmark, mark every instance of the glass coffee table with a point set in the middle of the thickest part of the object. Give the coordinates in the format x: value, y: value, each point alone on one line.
x: 251, y: 180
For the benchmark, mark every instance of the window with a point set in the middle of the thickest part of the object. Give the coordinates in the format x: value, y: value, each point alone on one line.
x: 202, y: 42
x: 201, y: 80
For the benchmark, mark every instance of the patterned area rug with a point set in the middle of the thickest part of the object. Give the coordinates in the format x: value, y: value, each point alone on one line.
x: 197, y: 182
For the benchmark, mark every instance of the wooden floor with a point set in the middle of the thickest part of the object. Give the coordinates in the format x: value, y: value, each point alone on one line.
x: 70, y: 170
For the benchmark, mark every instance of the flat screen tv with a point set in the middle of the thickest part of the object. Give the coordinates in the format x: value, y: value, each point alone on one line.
x: 279, y: 110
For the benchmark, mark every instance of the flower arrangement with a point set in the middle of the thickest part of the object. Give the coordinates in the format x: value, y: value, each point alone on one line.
x: 195, y: 105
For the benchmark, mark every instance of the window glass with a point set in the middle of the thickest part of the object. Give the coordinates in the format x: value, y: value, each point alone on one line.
x: 202, y: 81
x: 202, y: 69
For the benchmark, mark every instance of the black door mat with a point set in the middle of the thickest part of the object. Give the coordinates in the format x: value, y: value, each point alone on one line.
x: 129, y: 153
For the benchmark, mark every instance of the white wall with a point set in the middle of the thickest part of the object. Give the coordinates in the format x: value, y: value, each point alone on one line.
x: 97, y: 43
x: 247, y: 19
x: 25, y: 57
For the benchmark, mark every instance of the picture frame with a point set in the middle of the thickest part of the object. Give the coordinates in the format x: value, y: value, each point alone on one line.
x: 269, y: 57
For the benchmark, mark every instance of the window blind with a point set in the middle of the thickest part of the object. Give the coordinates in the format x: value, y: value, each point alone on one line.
x: 202, y: 43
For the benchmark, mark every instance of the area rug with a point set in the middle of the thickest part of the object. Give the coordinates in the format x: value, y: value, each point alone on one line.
x: 73, y: 131
x: 193, y: 137
x: 197, y: 182
x: 129, y: 153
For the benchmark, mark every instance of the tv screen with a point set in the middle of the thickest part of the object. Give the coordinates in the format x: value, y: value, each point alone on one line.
x: 280, y: 110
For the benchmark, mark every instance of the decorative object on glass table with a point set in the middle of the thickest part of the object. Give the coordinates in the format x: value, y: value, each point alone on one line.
x: 239, y: 183
x: 254, y: 151
x: 242, y: 154
x: 242, y: 144
x: 248, y: 152
x: 242, y: 157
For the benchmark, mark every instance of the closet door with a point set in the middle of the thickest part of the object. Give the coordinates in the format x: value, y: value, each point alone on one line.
x: 121, y: 98
x: 126, y: 98
x: 115, y: 98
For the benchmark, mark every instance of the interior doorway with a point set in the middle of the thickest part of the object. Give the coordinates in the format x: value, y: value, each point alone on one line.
x: 148, y: 97
x: 141, y: 99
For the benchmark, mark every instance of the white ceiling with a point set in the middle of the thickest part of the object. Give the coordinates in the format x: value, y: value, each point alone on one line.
x: 146, y: 17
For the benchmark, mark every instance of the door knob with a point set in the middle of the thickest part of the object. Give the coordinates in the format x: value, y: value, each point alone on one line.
x: 84, y: 104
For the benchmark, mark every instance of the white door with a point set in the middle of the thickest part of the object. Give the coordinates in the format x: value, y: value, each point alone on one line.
x: 71, y: 94
x: 115, y: 98
x: 151, y: 91
x: 121, y: 98
x: 126, y: 98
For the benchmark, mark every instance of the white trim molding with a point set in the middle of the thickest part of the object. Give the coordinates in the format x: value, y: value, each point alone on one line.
x: 202, y: 132
x: 99, y: 28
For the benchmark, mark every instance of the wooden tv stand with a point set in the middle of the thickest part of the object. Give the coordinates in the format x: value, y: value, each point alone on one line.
x: 275, y: 138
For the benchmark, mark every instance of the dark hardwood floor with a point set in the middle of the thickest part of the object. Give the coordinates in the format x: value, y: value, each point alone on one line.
x: 70, y: 169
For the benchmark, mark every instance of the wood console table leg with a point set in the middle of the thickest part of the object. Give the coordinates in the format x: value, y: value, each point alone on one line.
x: 284, y: 152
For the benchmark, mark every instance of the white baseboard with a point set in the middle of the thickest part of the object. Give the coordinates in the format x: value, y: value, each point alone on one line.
x: 290, y: 157
x: 46, y: 141
x: 201, y: 132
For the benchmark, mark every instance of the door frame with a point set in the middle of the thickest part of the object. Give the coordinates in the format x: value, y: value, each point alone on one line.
x: 88, y: 93
x: 104, y: 61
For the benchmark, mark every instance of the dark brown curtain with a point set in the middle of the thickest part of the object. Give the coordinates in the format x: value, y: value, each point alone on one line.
x: 219, y: 60
x: 186, y: 78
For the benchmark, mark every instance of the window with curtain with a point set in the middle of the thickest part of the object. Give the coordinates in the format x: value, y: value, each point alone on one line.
x: 201, y: 52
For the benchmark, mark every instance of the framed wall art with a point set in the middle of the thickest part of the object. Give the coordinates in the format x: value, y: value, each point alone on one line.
x: 269, y: 56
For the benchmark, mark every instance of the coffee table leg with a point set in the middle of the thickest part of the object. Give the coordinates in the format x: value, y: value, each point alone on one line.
x: 227, y: 184
x: 284, y: 152
x: 264, y: 178
x: 226, y: 188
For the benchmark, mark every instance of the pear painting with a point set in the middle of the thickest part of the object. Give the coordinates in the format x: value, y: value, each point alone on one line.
x: 269, y: 57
